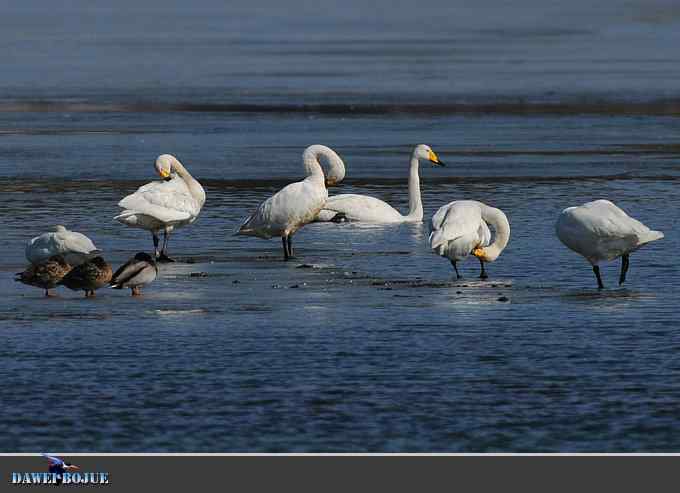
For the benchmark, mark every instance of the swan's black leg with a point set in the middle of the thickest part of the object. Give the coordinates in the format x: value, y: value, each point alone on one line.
x: 455, y: 267
x: 284, y: 240
x: 164, y: 251
x: 482, y: 274
x: 596, y: 270
x: 625, y: 263
x: 156, y: 240
x: 290, y: 246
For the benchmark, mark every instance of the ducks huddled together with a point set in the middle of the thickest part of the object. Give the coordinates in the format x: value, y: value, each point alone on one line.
x: 85, y: 270
x: 599, y: 230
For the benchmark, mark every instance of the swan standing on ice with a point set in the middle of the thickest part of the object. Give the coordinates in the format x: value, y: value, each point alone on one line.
x: 75, y: 248
x: 369, y: 209
x: 460, y: 229
x: 599, y: 231
x: 293, y: 206
x: 164, y: 205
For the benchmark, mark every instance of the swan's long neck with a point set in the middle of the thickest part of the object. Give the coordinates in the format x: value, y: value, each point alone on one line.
x: 310, y: 160
x: 415, y: 204
x: 499, y: 221
x: 336, y: 167
x: 195, y: 188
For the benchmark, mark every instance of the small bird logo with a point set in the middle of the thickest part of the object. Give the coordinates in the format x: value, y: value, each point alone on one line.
x: 58, y: 466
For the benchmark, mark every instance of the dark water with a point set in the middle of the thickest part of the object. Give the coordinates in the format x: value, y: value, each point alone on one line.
x: 364, y: 343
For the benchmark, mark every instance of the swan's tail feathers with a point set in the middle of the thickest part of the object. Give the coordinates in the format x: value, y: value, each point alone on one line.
x: 651, y: 236
x: 437, y: 240
x: 126, y: 217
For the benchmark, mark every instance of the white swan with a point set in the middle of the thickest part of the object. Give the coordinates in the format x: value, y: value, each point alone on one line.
x: 293, y: 206
x: 75, y: 248
x: 336, y: 168
x: 354, y: 207
x: 164, y: 205
x: 460, y: 228
x: 599, y: 231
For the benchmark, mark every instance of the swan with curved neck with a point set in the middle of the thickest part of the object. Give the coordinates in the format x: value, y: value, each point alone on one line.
x: 460, y: 229
x: 164, y: 205
x: 334, y: 172
x: 293, y: 206
x: 353, y: 207
x: 601, y: 231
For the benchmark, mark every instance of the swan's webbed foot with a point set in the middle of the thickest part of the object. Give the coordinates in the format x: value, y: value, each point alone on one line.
x: 163, y: 258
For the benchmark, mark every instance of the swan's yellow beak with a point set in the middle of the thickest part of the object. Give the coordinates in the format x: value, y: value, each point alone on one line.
x: 330, y: 182
x: 164, y: 173
x: 434, y: 159
x: 478, y: 252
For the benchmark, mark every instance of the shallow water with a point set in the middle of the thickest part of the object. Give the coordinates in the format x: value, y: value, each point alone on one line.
x: 365, y: 342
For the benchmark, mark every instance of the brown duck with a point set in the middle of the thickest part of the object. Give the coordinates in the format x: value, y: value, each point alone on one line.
x: 46, y: 275
x: 88, y: 277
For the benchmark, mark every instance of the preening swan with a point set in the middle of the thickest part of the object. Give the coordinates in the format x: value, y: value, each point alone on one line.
x: 294, y: 205
x: 599, y: 231
x: 164, y: 205
x: 74, y: 247
x: 460, y: 228
x: 336, y: 167
x: 369, y: 209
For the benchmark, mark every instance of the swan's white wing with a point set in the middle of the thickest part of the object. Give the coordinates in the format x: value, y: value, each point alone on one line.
x: 73, y: 242
x: 484, y: 234
x: 287, y: 210
x: 66, y: 243
x: 600, y: 230
x: 456, y: 229
x: 168, y: 202
x: 363, y: 208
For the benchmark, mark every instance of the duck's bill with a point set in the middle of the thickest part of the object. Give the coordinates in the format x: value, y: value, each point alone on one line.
x: 434, y: 159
